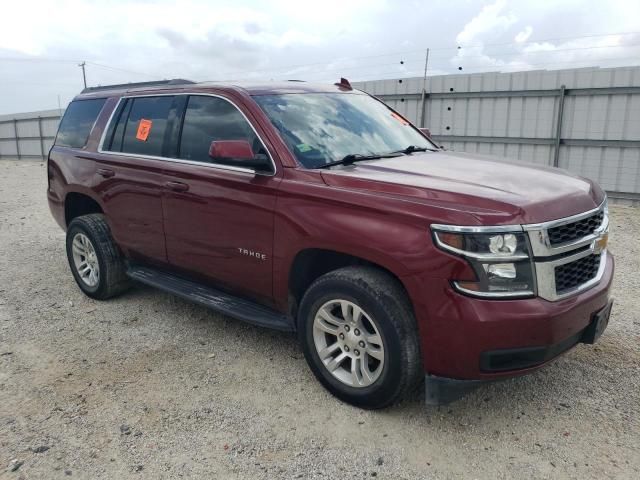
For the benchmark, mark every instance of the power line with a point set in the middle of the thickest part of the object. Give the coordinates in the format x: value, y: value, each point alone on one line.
x: 86, y: 62
x: 578, y: 37
x: 495, y: 57
x: 505, y: 68
x: 118, y: 69
x: 421, y: 52
x: 538, y: 52
x: 403, y: 54
x: 403, y: 72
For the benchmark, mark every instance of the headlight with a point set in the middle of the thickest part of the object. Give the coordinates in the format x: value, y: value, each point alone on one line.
x: 501, y: 260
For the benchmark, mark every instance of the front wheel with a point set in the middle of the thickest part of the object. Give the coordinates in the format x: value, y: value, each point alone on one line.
x: 359, y: 336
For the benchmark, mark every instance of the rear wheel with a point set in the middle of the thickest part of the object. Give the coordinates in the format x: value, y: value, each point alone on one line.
x: 359, y: 336
x: 95, y: 261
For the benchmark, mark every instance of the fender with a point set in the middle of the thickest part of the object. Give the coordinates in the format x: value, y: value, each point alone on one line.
x: 66, y: 177
x: 400, y: 246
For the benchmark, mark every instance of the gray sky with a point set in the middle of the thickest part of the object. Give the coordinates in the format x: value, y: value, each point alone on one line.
x: 127, y: 41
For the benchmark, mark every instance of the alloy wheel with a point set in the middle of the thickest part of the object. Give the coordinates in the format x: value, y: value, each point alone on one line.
x: 348, y: 343
x: 85, y: 260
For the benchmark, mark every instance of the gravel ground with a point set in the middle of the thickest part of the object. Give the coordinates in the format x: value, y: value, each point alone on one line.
x: 150, y: 386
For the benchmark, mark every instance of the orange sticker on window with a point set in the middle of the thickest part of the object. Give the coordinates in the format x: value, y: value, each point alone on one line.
x: 400, y: 118
x: 144, y: 128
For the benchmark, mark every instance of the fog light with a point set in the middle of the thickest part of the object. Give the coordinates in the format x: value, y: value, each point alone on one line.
x: 501, y: 270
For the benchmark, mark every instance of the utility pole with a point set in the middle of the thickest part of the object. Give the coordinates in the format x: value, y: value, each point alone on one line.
x: 84, y: 75
x: 424, y: 90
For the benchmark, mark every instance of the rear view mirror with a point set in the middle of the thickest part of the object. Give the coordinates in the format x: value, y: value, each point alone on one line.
x: 238, y: 153
x: 426, y: 131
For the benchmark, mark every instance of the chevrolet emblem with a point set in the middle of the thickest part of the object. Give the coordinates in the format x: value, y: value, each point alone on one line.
x: 601, y: 243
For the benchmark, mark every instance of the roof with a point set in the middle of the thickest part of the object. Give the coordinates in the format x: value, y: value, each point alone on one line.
x: 279, y: 87
x: 256, y: 88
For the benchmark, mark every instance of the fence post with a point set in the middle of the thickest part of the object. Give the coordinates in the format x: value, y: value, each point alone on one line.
x: 41, y: 137
x: 424, y: 91
x: 15, y: 131
x: 556, y: 151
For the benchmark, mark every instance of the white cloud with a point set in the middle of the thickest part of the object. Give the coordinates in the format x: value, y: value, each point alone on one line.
x: 136, y: 40
x: 489, y: 20
x: 524, y: 35
x: 484, y: 46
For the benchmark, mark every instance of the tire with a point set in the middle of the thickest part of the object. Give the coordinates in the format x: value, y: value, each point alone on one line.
x: 95, y: 250
x: 386, y: 310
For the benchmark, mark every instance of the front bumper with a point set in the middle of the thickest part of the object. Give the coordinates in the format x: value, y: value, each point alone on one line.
x: 442, y: 390
x: 457, y: 331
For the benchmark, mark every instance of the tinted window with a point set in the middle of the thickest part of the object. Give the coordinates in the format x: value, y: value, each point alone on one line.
x: 77, y: 122
x: 210, y: 118
x: 145, y: 126
x: 115, y: 133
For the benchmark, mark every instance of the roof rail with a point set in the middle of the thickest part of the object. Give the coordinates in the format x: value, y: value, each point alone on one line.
x: 173, y: 81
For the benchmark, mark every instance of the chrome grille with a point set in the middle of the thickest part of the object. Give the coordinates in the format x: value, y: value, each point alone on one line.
x: 575, y: 230
x: 569, y: 253
x: 573, y: 274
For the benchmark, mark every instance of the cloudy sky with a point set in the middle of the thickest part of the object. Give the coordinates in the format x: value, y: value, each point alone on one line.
x: 41, y: 43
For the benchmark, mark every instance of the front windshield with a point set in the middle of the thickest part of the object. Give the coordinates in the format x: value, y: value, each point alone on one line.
x: 320, y: 128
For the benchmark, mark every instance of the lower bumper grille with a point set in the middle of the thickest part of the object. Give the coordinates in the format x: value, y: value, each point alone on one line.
x: 571, y: 275
x: 519, y: 358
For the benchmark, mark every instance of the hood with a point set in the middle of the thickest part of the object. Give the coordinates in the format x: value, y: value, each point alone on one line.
x: 495, y: 191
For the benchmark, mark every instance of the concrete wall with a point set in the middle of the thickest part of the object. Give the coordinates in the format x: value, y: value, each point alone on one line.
x: 517, y: 115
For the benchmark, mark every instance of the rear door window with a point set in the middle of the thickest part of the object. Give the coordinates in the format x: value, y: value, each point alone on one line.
x: 141, y: 126
x: 78, y: 121
x: 115, y: 132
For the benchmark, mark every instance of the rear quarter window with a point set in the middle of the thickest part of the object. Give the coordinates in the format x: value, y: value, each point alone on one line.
x: 78, y: 121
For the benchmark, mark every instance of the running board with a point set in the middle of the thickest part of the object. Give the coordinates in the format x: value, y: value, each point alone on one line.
x: 235, y: 307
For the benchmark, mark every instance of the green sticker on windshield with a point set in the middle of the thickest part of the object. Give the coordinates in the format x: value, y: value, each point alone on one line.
x: 304, y: 147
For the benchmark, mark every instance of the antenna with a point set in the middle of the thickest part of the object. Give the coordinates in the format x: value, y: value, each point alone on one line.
x: 344, y: 84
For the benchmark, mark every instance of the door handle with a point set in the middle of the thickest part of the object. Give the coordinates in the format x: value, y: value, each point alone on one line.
x: 106, y: 173
x: 177, y: 186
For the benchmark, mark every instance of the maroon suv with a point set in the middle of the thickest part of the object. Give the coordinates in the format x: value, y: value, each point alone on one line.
x: 320, y: 210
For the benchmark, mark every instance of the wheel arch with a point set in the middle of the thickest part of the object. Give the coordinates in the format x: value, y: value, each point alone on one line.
x: 310, y: 263
x: 80, y: 203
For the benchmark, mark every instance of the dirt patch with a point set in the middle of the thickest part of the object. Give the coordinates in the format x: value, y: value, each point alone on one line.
x: 150, y: 386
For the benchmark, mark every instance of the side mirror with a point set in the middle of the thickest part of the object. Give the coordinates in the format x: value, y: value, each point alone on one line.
x: 238, y: 153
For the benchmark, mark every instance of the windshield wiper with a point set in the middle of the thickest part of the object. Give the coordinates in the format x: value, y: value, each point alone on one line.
x: 413, y: 148
x: 358, y: 157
